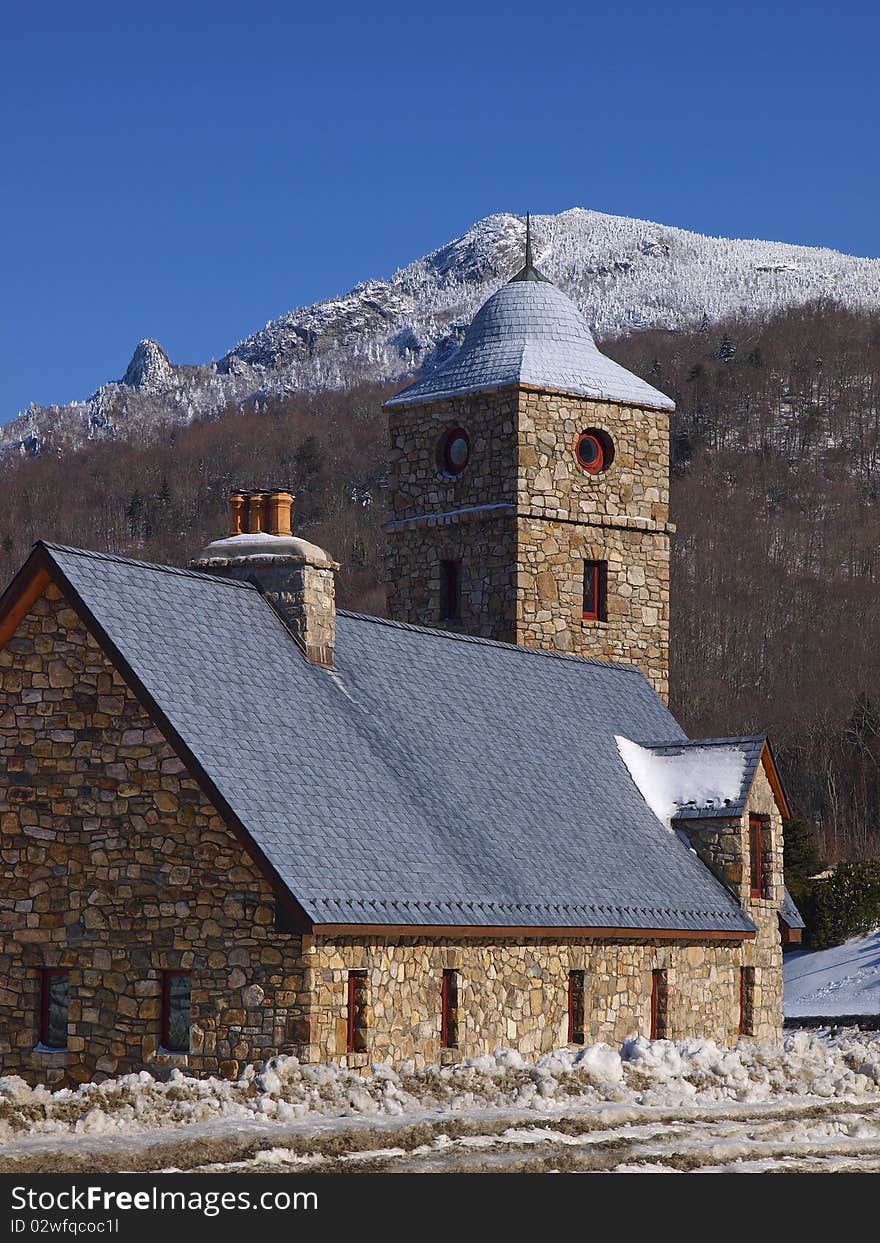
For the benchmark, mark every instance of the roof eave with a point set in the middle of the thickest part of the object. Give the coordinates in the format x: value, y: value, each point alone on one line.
x: 512, y: 931
x: 401, y: 400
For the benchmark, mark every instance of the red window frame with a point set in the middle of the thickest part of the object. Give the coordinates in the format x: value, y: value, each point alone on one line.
x: 659, y: 997
x: 165, y: 1031
x: 576, y: 1008
x: 450, y: 590
x: 355, y: 1041
x: 757, y: 879
x: 451, y: 467
x: 45, y: 975
x: 449, y: 1009
x: 591, y: 468
x: 596, y: 574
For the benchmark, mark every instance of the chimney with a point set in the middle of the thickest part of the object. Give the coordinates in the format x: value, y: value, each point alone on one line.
x: 297, y: 578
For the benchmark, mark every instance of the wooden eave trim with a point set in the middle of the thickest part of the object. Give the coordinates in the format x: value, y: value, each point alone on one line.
x: 17, y: 601
x: 300, y: 921
x: 775, y: 783
x: 512, y: 933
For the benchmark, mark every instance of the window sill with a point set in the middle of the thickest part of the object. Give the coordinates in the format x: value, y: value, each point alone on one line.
x: 45, y: 1051
x: 356, y: 1060
x: 449, y: 1057
x: 595, y: 621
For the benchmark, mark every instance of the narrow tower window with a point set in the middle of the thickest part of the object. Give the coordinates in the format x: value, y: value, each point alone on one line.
x: 595, y: 591
x: 758, y: 879
x: 576, y: 1007
x: 54, y: 1004
x: 449, y: 1010
x: 176, y: 1008
x: 659, y: 998
x: 357, y: 1012
x: 450, y: 591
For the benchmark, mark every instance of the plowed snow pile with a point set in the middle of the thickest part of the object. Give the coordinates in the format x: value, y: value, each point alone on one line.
x: 838, y: 1063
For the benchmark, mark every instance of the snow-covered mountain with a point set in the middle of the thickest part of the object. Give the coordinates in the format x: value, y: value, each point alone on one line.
x: 625, y: 274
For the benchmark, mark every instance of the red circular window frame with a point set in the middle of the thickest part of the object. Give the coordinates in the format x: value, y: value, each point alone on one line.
x: 450, y: 467
x: 604, y: 451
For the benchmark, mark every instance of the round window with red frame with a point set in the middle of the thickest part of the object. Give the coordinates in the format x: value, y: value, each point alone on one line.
x: 594, y: 451
x: 455, y: 451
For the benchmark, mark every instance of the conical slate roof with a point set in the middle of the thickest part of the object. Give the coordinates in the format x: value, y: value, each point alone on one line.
x: 530, y: 333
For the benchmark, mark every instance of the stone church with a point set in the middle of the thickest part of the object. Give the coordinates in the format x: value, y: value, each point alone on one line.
x: 236, y: 821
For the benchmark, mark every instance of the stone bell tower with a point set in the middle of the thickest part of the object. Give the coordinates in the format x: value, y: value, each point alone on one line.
x: 530, y: 488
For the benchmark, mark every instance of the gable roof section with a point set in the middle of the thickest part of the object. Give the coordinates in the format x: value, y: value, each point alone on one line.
x: 434, y: 780
x: 530, y: 333
x: 788, y: 912
x: 722, y: 800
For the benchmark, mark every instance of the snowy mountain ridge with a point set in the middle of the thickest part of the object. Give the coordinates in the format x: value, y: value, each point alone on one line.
x: 624, y: 273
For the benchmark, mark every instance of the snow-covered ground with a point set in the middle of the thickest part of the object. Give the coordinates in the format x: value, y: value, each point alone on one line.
x: 813, y: 1103
x: 843, y: 980
x: 810, y: 1104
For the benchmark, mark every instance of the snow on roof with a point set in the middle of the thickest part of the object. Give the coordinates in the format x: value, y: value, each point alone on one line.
x: 531, y: 333
x: 703, y: 776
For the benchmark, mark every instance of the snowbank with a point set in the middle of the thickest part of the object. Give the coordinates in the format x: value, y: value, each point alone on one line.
x: 843, y: 980
x: 842, y: 1064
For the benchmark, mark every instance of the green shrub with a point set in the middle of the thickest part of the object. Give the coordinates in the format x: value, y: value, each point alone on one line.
x: 843, y: 905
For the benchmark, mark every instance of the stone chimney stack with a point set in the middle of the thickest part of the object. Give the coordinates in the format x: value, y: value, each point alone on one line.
x: 297, y: 578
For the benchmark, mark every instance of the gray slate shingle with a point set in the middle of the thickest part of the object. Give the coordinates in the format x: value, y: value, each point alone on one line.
x: 434, y: 779
x: 529, y: 332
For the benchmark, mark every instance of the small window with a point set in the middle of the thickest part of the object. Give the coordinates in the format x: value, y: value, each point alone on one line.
x: 747, y: 1001
x: 595, y: 591
x: 450, y: 591
x: 757, y: 875
x: 454, y: 451
x: 356, y: 1041
x: 176, y: 1010
x: 594, y: 451
x: 449, y: 1010
x: 659, y: 999
x: 576, y: 1007
x: 54, y: 1005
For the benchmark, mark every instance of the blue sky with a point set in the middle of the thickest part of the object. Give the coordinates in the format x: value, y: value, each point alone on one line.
x: 188, y: 171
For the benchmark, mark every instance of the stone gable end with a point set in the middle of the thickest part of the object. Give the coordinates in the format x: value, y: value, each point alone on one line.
x: 116, y: 866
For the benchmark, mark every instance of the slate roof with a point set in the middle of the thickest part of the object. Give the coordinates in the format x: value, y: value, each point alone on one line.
x: 789, y: 913
x: 750, y: 748
x: 434, y: 779
x: 530, y: 333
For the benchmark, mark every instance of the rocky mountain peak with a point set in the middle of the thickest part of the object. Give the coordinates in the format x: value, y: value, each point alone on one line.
x: 150, y: 369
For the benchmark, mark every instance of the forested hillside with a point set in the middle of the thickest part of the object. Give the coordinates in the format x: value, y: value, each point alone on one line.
x: 776, y: 564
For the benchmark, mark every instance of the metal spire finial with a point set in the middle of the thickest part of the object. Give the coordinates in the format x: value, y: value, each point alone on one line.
x: 529, y: 271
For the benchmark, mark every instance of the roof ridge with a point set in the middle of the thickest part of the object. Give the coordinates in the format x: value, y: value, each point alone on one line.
x: 93, y: 555
x: 616, y: 666
x: 705, y: 742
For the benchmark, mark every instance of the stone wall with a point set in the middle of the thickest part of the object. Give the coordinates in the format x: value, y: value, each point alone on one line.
x: 485, y: 544
x: 115, y: 866
x: 522, y: 518
x: 723, y: 844
x: 549, y: 606
x: 515, y: 993
x: 550, y: 482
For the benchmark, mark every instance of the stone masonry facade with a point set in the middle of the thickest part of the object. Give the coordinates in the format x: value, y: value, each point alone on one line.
x: 523, y: 517
x: 515, y: 993
x: 117, y: 867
